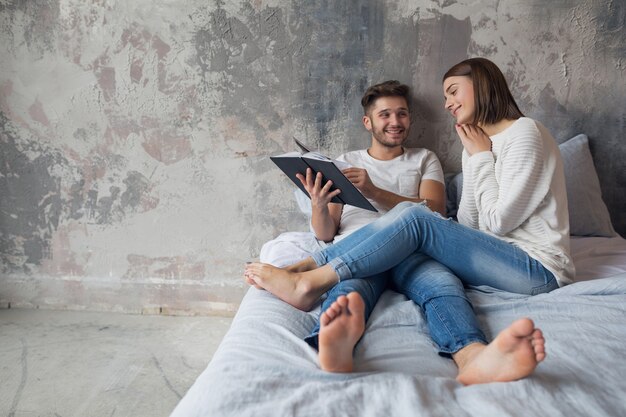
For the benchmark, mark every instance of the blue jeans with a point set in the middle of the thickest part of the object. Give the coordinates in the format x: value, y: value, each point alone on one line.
x: 431, y: 259
x: 370, y: 290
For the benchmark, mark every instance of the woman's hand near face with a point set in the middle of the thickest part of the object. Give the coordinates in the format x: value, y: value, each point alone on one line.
x: 474, y: 139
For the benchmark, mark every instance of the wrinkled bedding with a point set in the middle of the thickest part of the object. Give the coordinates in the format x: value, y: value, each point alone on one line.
x: 264, y: 368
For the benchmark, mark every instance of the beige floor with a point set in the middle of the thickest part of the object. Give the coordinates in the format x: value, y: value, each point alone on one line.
x: 86, y: 364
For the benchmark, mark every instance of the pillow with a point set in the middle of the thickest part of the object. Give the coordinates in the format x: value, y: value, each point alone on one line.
x: 588, y: 215
x: 454, y: 187
x: 304, y: 202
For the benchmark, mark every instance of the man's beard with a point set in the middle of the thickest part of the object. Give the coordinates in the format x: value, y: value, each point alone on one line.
x: 379, y: 136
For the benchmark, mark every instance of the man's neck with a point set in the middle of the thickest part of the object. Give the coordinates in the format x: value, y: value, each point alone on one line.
x: 384, y: 153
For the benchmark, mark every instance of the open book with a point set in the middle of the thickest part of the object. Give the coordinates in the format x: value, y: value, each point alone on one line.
x: 293, y: 163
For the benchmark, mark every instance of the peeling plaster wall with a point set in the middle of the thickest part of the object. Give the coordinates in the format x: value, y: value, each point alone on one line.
x: 134, y: 135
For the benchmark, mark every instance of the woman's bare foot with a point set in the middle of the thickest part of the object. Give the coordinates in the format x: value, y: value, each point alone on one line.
x: 304, y: 265
x: 512, y: 355
x: 250, y: 281
x: 341, y: 327
x: 300, y: 289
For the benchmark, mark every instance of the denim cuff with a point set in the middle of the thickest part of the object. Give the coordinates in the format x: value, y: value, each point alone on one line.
x: 448, y: 352
x: 319, y: 258
x: 340, y: 267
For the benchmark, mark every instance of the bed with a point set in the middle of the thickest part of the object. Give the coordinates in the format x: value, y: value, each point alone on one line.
x: 264, y: 368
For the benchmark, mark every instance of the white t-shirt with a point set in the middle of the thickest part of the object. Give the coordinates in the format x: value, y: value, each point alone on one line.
x: 401, y: 175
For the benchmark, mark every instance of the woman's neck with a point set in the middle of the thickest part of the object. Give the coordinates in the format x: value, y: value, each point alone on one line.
x: 497, y: 127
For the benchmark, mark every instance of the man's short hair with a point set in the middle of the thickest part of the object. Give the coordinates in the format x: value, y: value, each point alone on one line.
x: 391, y: 88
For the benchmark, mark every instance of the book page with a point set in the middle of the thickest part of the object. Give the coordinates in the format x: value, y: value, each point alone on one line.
x: 294, y: 154
x: 316, y: 155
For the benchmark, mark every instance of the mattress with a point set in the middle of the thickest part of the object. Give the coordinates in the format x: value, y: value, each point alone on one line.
x: 264, y: 368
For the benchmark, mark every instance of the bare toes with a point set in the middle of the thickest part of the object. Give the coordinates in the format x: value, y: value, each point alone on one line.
x: 325, y: 318
x: 342, y: 300
x: 333, y: 311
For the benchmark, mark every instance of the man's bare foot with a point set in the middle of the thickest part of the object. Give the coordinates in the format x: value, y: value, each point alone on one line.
x: 300, y: 289
x: 341, y: 327
x: 512, y: 355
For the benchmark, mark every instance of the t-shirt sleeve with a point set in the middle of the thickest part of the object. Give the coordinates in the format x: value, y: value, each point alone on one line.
x: 431, y: 168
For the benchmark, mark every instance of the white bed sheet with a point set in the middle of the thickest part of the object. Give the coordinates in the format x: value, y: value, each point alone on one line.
x: 264, y: 368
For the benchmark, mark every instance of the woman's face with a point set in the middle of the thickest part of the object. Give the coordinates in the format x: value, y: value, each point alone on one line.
x: 459, y: 94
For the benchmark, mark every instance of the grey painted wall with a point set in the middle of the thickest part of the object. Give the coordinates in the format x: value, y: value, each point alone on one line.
x: 134, y: 136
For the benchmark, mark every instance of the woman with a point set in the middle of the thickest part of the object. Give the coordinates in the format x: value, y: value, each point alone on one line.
x: 512, y: 235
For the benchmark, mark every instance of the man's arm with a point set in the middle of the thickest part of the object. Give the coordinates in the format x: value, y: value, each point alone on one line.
x: 430, y: 191
x: 325, y: 221
x: 325, y: 216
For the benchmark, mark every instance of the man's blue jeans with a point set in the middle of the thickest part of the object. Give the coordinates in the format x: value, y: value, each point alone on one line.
x: 430, y: 259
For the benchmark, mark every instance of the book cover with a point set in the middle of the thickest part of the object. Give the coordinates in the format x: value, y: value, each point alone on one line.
x: 293, y: 163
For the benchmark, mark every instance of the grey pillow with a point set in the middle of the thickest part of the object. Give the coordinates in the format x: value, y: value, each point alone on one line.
x: 454, y: 187
x: 588, y: 215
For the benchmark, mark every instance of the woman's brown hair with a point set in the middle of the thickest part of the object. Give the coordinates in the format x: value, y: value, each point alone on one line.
x: 493, y: 100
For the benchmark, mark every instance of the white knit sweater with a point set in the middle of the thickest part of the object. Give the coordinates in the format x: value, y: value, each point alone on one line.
x: 517, y: 193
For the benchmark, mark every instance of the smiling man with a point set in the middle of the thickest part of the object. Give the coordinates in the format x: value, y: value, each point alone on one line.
x: 386, y: 173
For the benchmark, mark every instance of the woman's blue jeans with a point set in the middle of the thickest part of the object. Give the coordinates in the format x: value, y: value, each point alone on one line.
x: 430, y: 259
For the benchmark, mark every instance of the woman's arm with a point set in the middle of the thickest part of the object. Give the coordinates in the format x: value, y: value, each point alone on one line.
x: 506, y: 202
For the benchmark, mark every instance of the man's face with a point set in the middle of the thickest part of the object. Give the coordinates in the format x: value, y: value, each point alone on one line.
x: 389, y: 121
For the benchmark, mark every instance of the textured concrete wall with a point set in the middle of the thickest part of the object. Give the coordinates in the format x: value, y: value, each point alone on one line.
x: 134, y: 135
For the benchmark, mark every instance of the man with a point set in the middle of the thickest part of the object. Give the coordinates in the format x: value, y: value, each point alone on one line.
x: 386, y: 173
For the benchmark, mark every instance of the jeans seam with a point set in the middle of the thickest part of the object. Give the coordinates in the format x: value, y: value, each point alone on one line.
x: 541, y: 288
x: 457, y: 343
x: 445, y: 324
x: 390, y: 237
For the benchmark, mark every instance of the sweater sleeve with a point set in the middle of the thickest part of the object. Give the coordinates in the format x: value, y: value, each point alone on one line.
x: 467, y: 214
x: 505, y: 204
